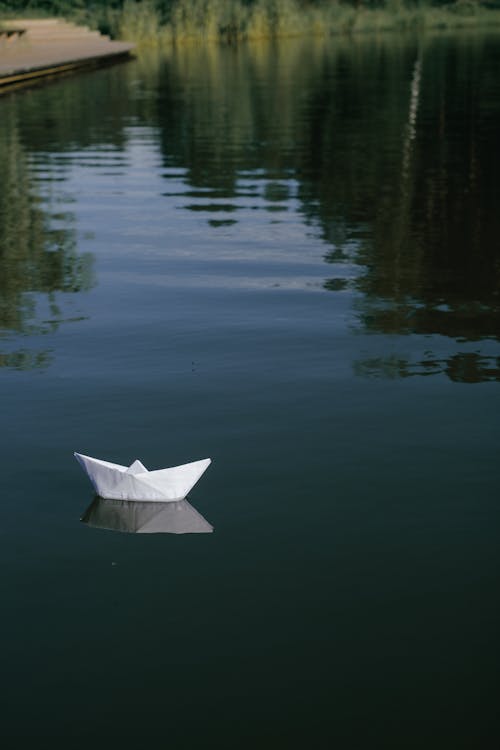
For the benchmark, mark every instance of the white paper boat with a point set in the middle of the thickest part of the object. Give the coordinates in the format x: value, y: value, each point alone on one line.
x: 146, y: 517
x: 135, y: 482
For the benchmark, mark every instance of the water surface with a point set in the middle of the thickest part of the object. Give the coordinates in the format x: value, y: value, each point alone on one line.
x: 284, y: 257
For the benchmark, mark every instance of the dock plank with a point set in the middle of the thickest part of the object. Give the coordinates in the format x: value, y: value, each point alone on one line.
x: 51, y: 46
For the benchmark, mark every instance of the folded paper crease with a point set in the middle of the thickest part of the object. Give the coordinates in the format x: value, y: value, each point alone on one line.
x: 135, y: 482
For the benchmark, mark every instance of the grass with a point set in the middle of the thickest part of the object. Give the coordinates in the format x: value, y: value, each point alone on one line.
x: 234, y: 20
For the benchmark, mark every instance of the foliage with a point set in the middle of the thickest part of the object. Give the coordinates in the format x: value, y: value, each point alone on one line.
x: 233, y: 20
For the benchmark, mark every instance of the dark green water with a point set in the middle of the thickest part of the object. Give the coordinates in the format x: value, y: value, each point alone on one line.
x: 285, y: 258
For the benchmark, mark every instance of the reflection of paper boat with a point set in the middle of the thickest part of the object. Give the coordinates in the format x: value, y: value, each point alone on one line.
x: 146, y: 517
x: 135, y: 482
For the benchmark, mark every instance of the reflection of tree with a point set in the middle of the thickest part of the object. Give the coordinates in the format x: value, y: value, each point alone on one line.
x: 77, y: 113
x: 389, y: 145
x: 36, y: 260
x: 465, y: 367
x: 431, y: 256
x: 218, y: 120
x: 24, y: 359
x: 393, y: 144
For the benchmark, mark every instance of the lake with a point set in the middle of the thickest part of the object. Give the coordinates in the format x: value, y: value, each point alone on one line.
x: 284, y: 257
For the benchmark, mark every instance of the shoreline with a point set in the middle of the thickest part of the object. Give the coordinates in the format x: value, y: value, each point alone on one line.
x: 34, y: 50
x: 231, y: 23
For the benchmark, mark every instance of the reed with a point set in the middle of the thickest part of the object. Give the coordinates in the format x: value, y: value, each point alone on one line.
x: 235, y: 20
x: 178, y: 21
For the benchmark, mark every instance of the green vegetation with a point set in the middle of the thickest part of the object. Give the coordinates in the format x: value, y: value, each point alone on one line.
x: 233, y: 20
x: 38, y: 256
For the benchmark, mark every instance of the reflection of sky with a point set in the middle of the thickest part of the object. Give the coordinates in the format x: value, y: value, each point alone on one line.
x: 253, y: 238
x: 149, y: 228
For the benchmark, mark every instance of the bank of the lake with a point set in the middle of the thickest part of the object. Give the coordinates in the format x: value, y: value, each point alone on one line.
x: 166, y: 21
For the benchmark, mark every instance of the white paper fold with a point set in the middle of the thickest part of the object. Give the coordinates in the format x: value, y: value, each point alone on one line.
x: 135, y: 482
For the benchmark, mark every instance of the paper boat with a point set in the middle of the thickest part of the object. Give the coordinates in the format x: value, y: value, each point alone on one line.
x: 146, y: 517
x: 135, y: 482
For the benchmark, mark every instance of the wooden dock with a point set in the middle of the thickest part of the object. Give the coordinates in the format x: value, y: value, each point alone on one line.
x: 31, y: 50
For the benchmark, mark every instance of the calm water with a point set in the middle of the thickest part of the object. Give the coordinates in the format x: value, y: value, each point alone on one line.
x: 285, y: 258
